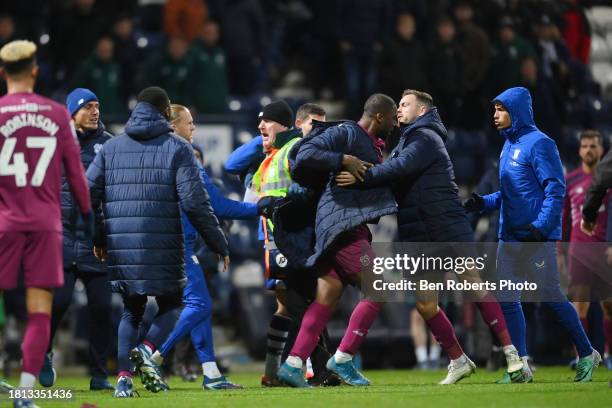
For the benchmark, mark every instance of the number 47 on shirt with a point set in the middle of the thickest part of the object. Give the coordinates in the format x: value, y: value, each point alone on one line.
x: 19, y: 168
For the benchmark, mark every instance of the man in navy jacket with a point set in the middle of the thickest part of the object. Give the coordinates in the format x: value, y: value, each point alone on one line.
x: 144, y: 178
x: 79, y: 260
x: 420, y: 172
x: 530, y: 199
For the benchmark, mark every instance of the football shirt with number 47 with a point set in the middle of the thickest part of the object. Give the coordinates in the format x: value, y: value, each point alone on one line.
x: 37, y: 140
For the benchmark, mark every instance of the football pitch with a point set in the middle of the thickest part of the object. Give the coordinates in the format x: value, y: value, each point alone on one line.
x: 554, y: 387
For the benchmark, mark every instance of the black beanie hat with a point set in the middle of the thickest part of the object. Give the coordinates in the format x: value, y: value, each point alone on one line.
x: 278, y: 111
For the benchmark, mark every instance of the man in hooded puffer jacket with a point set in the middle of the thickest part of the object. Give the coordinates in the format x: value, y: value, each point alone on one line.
x: 530, y: 199
x: 144, y: 178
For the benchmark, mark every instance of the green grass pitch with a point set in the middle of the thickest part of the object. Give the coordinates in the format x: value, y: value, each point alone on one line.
x: 554, y: 387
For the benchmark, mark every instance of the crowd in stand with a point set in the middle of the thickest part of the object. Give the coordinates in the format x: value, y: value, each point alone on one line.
x: 207, y: 52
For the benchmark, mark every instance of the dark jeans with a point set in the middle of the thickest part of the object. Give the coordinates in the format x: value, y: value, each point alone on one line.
x: 99, y: 308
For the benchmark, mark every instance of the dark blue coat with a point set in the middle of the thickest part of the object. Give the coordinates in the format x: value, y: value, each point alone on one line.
x: 80, y: 253
x: 421, y: 174
x: 338, y: 209
x: 144, y: 177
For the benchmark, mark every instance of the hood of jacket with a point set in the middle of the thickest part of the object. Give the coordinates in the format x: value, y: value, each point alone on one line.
x: 517, y: 102
x: 146, y: 122
x: 430, y: 120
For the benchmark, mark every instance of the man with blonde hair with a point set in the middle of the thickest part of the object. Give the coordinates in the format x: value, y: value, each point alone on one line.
x: 196, y: 316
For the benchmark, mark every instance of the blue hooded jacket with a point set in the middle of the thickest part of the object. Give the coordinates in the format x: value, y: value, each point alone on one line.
x: 144, y: 178
x: 532, y: 185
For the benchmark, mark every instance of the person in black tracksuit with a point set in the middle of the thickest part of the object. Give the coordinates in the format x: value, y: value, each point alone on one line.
x: 79, y: 260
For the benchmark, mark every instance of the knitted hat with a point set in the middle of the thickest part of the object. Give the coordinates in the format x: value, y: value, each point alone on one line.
x: 79, y: 97
x: 278, y: 111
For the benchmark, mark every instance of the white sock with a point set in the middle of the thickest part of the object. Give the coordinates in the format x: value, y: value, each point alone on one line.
x: 434, y: 352
x: 309, y: 370
x: 342, y: 357
x: 148, y: 348
x: 211, y: 370
x: 421, y: 354
x: 525, y: 362
x: 157, y: 358
x: 460, y: 360
x: 27, y: 381
x: 295, y: 362
x: 509, y: 348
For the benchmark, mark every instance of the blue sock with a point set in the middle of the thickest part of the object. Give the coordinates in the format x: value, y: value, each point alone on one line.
x: 165, y: 319
x: 515, y: 320
x: 198, y: 307
x: 568, y: 318
x: 202, y: 339
x: 190, y: 317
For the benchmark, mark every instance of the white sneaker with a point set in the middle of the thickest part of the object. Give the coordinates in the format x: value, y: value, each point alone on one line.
x: 459, y: 369
x: 513, y: 360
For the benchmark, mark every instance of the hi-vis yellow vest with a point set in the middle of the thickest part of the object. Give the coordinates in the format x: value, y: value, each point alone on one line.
x: 272, y: 177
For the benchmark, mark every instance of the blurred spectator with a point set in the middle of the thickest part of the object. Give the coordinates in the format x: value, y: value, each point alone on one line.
x: 474, y: 51
x: 211, y: 90
x: 150, y: 13
x: 102, y: 74
x: 361, y: 29
x: 404, y: 60
x: 444, y: 68
x: 7, y: 34
x: 548, y: 108
x: 7, y: 29
x: 554, y: 56
x: 75, y: 34
x: 506, y: 57
x: 577, y: 31
x: 127, y: 54
x: 184, y: 18
x: 173, y: 70
x: 242, y: 28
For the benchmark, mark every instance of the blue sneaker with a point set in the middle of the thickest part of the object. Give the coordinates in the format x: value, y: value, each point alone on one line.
x: 47, y: 375
x: 292, y: 376
x: 347, y: 372
x: 24, y: 403
x: 98, y: 383
x: 124, y: 388
x: 219, y: 383
x: 149, y: 371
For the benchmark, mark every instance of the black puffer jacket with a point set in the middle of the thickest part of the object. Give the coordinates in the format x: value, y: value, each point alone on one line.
x: 421, y: 174
x: 338, y: 209
x: 80, y: 253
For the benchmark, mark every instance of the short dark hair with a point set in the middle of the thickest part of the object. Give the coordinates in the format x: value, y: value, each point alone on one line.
x: 423, y: 98
x: 308, y: 109
x: 156, y: 96
x: 592, y: 134
x: 379, y: 103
